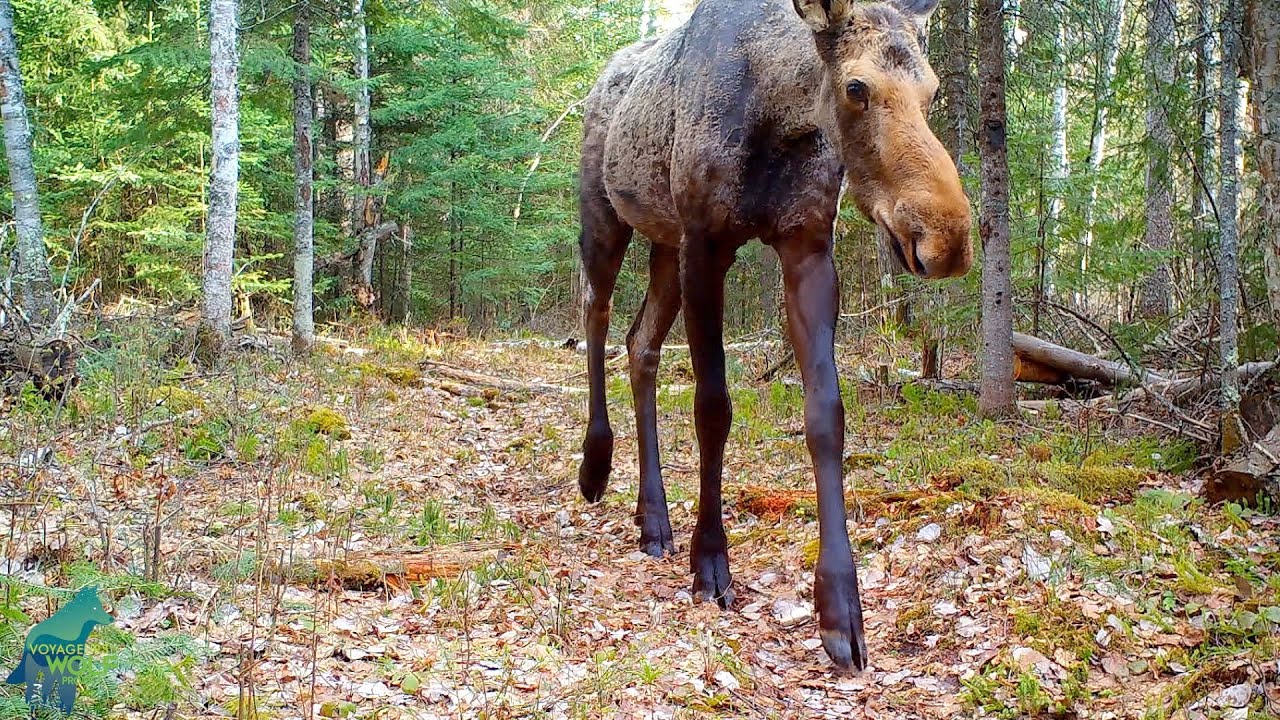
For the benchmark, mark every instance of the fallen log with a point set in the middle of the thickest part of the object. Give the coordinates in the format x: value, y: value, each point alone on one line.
x: 471, y: 377
x: 374, y: 570
x: 1253, y: 474
x: 1046, y: 358
x: 50, y: 365
x: 1178, y: 389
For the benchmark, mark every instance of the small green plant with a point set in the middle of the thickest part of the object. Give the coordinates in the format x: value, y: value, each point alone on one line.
x: 206, y: 441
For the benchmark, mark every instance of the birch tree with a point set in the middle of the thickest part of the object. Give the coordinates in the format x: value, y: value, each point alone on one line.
x: 361, y: 163
x: 1205, y: 108
x: 1058, y: 166
x: 1113, y: 19
x: 1228, y: 200
x: 1263, y: 63
x: 304, y: 331
x: 219, y: 246
x: 996, y: 392
x: 646, y: 19
x: 1154, y: 291
x: 32, y: 281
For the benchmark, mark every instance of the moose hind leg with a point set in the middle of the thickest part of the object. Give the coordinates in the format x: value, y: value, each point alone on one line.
x: 644, y: 350
x: 702, y: 273
x: 603, y: 244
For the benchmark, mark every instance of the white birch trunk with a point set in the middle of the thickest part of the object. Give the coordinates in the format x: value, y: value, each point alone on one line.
x: 223, y: 193
x: 33, y: 281
x: 1228, y: 200
x: 1058, y: 167
x: 304, y: 329
x: 361, y: 163
x: 1098, y: 142
x: 646, y: 19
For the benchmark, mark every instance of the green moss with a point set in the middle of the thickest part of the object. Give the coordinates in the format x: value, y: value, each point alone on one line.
x: 975, y: 476
x: 1053, y: 502
x: 400, y: 375
x: 1091, y: 482
x: 863, y: 460
x: 326, y: 421
x: 178, y: 400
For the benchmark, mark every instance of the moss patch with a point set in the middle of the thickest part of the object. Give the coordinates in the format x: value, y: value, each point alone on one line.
x: 177, y: 400
x: 399, y: 375
x: 326, y: 421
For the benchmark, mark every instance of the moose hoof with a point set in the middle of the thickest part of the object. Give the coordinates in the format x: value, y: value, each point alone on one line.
x: 839, y: 608
x: 711, y: 578
x: 655, y: 537
x: 597, y: 457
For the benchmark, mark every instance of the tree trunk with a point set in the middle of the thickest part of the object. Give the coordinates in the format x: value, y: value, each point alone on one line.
x: 360, y: 163
x: 1098, y: 138
x: 646, y: 19
x: 1201, y: 206
x: 215, y: 322
x: 402, y: 293
x: 1014, y: 34
x: 770, y: 286
x: 1057, y: 164
x: 1263, y: 62
x: 1228, y: 199
x: 996, y: 396
x: 335, y: 139
x: 34, y: 284
x: 1154, y: 291
x: 304, y: 330
x: 954, y: 61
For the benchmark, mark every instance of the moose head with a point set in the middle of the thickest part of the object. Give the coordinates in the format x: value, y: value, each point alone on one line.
x: 874, y: 103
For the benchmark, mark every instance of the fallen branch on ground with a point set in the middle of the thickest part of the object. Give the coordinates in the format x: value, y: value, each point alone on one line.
x: 748, y: 345
x: 471, y: 377
x: 373, y: 570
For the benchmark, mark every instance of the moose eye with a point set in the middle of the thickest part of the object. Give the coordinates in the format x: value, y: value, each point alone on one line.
x: 858, y: 93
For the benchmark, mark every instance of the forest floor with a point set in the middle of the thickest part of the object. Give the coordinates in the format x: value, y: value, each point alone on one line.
x: 357, y: 536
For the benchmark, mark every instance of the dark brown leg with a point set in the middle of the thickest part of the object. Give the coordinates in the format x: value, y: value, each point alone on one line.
x: 702, y: 270
x: 644, y: 349
x: 603, y: 243
x: 812, y: 306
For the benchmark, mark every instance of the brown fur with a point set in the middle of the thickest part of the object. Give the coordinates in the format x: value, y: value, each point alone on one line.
x: 741, y: 124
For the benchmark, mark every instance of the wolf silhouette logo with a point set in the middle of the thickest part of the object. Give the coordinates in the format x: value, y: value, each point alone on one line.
x: 54, y: 656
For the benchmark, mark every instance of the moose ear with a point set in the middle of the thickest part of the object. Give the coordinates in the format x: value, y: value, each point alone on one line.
x: 820, y: 15
x: 920, y: 10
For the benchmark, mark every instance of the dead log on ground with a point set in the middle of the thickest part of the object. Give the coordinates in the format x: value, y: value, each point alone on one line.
x: 374, y: 570
x: 1178, y: 389
x: 1045, y: 358
x: 471, y: 377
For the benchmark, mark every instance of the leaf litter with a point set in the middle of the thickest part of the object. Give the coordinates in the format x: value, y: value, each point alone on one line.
x: 423, y: 552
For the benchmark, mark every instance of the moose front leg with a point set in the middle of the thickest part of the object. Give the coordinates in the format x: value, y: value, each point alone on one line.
x: 809, y: 277
x: 702, y: 270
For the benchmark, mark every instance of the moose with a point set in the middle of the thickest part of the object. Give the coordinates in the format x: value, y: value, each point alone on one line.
x: 742, y: 124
